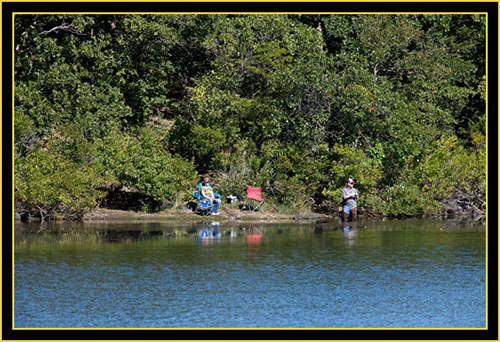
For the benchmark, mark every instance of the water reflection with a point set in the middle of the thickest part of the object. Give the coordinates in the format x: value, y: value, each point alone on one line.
x: 261, y: 275
x: 248, y: 233
x: 209, y: 232
x: 350, y: 232
x: 253, y: 239
x: 253, y: 236
x: 233, y: 233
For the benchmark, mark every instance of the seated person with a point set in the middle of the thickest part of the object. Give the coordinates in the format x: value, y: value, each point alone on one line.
x: 206, y: 191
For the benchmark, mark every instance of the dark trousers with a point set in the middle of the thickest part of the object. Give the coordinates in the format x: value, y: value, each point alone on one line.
x: 353, y: 215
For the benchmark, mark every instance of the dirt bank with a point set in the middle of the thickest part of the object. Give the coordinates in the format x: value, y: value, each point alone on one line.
x: 225, y: 213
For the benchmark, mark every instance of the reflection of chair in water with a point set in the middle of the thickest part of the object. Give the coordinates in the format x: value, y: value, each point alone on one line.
x: 254, y: 239
x: 254, y: 235
x: 255, y: 196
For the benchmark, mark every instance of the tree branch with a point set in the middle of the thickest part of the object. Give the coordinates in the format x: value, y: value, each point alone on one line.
x: 64, y: 27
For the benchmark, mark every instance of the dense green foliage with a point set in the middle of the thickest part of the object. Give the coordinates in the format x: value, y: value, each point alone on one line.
x: 294, y: 104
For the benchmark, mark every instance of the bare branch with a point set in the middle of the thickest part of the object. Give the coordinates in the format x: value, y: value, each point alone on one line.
x: 64, y: 27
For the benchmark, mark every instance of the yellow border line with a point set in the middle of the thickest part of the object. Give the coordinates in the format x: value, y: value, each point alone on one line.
x: 247, y: 13
x: 254, y: 1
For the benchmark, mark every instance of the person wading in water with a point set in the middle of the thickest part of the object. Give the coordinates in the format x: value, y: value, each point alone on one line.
x: 349, y: 196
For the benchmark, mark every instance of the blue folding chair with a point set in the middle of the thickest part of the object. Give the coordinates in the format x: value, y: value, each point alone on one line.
x: 206, y: 204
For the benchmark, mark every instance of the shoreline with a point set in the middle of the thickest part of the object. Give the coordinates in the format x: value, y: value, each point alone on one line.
x: 225, y: 214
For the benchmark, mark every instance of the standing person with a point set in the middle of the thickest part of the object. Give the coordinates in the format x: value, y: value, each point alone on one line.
x: 206, y: 191
x: 349, y: 196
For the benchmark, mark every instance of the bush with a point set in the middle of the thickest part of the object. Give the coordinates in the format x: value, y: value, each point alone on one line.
x: 143, y: 163
x: 446, y: 169
x: 287, y: 177
x: 49, y: 185
x: 408, y: 200
x: 351, y: 162
x: 292, y: 196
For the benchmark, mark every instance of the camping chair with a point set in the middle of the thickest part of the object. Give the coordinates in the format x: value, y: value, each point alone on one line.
x: 206, y: 204
x: 255, y: 195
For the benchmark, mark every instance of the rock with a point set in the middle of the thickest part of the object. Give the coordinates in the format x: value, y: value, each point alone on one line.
x: 185, y: 210
x: 191, y: 206
x: 167, y: 204
x: 21, y: 216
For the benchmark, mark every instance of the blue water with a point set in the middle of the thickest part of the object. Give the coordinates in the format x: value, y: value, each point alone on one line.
x: 400, y: 275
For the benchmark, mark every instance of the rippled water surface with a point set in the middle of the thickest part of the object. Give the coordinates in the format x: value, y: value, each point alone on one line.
x: 412, y: 273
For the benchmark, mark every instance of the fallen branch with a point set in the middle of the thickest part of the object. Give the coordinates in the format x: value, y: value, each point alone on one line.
x: 477, y: 210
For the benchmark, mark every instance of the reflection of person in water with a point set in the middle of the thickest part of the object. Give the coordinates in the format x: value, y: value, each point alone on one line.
x: 206, y: 233
x: 210, y: 232
x: 350, y: 230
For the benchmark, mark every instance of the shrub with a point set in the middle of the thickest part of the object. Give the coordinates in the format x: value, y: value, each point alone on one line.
x: 142, y: 162
x: 446, y: 169
x: 348, y: 162
x: 48, y: 184
x: 408, y: 200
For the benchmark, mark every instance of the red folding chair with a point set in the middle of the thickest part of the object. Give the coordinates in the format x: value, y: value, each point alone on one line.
x: 255, y: 194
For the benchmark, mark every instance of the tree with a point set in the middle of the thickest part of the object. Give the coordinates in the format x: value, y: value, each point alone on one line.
x: 291, y: 103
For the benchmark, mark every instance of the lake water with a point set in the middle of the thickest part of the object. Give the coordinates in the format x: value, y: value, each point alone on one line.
x: 390, y: 274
